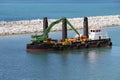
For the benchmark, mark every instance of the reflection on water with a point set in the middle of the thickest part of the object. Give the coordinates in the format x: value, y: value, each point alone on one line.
x: 94, y: 54
x: 65, y: 64
x: 83, y: 64
x: 91, y: 55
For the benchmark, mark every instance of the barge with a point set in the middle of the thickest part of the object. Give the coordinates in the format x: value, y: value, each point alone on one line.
x: 90, y: 38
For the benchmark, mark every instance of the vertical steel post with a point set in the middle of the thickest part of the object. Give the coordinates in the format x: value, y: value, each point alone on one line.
x: 85, y: 24
x: 64, y: 29
x: 45, y: 25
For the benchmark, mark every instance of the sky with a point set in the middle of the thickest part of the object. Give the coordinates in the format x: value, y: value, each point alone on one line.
x: 58, y: 1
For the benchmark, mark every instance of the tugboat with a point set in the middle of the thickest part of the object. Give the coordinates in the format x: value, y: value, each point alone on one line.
x: 90, y: 38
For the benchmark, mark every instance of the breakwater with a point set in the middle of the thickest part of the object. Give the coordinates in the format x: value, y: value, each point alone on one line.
x: 35, y: 26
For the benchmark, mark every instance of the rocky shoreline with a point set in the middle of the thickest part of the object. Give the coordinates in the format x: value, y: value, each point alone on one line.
x: 35, y: 26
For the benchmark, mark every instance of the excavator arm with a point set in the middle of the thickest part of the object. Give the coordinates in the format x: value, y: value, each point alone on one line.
x: 42, y: 37
x: 56, y: 22
x: 51, y: 25
x: 72, y: 27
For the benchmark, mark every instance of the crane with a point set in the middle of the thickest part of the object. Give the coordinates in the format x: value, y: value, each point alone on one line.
x: 42, y: 37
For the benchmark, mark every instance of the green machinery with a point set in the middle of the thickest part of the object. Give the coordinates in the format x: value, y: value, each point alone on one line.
x: 43, y: 37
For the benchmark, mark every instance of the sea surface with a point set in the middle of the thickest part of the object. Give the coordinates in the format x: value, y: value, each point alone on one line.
x: 13, y: 12
x: 84, y: 64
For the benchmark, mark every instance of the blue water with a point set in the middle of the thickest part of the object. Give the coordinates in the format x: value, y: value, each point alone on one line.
x: 84, y: 64
x: 12, y: 12
x: 58, y: 1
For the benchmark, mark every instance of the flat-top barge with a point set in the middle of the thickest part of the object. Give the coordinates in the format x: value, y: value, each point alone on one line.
x: 90, y: 38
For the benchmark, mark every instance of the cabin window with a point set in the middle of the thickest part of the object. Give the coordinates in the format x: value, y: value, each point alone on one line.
x: 99, y: 37
x: 95, y: 30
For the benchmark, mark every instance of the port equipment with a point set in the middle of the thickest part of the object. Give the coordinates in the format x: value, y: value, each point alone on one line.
x: 47, y: 29
x: 90, y: 38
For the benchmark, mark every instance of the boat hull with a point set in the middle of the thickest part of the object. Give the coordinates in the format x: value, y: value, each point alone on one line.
x: 43, y: 46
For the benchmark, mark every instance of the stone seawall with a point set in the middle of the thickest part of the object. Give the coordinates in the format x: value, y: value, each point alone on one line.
x: 35, y: 26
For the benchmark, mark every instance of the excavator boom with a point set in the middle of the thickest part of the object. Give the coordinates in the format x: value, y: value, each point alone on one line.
x: 42, y: 37
x: 72, y: 27
x: 50, y: 26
